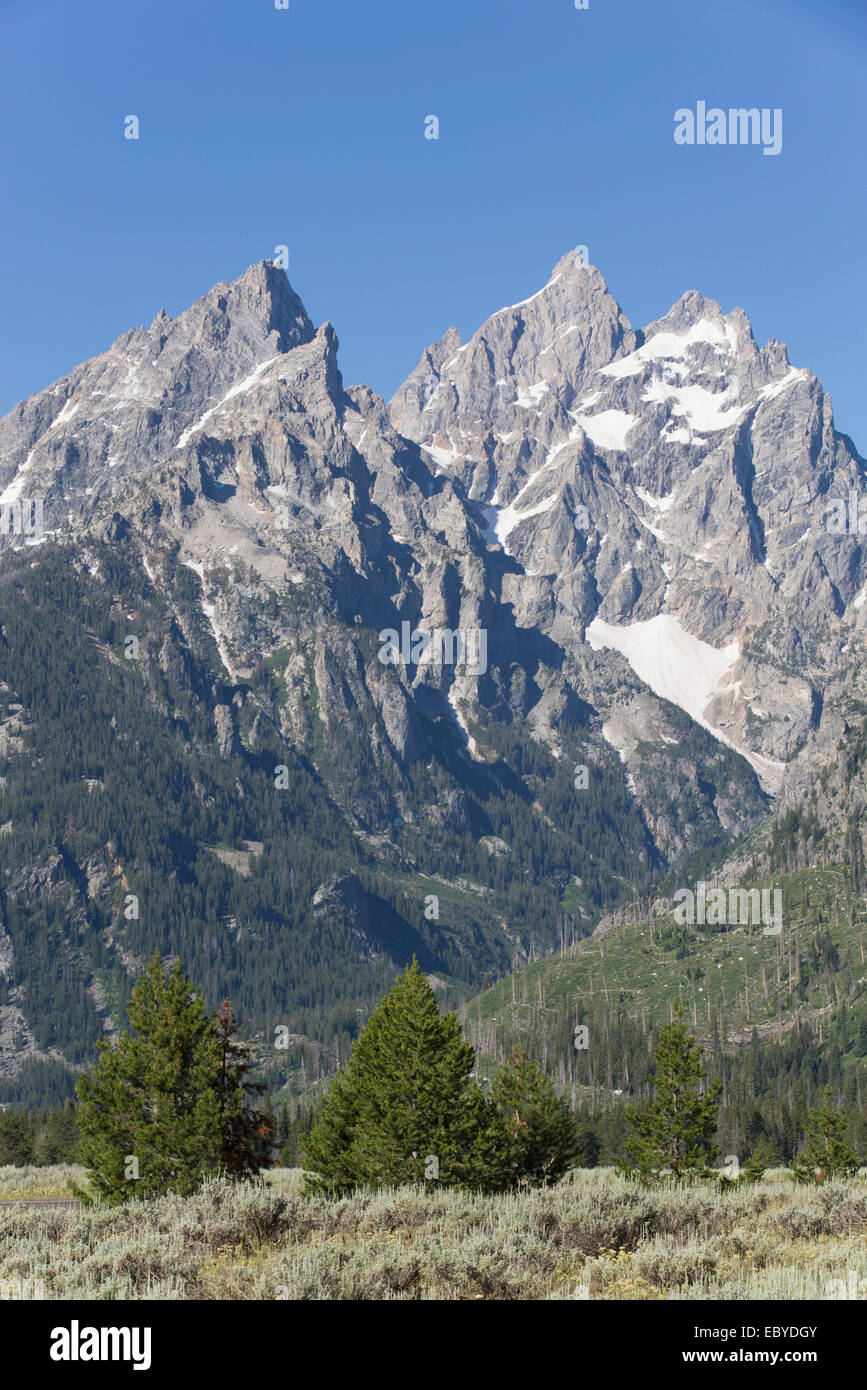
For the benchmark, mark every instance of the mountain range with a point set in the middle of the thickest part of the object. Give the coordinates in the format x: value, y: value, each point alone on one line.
x: 206, y: 752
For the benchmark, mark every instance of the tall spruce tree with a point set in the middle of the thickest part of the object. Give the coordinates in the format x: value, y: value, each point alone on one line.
x: 327, y: 1150
x: 674, y: 1136
x: 164, y: 1109
x: 535, y: 1132
x: 405, y: 1109
x: 827, y: 1153
x: 246, y: 1133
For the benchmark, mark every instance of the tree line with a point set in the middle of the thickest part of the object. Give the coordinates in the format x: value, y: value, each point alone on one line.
x: 174, y: 1102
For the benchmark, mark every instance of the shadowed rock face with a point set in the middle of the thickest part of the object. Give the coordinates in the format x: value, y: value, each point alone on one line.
x: 635, y: 519
x: 370, y: 927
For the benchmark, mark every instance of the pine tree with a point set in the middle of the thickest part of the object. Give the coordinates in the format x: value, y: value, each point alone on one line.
x: 768, y: 1151
x: 58, y: 1137
x: 17, y: 1140
x: 753, y: 1170
x: 674, y: 1136
x: 246, y: 1133
x: 404, y: 1109
x: 588, y: 1146
x: 535, y: 1133
x: 827, y: 1153
x: 149, y: 1113
x: 291, y: 1135
x: 327, y: 1151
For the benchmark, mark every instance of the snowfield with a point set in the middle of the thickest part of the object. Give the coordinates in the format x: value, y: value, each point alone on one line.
x: 608, y: 429
x: 677, y: 666
x: 683, y: 669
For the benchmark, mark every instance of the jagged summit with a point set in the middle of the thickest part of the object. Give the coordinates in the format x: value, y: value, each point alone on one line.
x: 592, y: 478
x: 260, y: 299
x: 547, y: 345
x: 126, y: 408
x: 666, y: 486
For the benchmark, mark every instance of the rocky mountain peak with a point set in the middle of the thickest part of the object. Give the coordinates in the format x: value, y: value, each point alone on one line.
x: 575, y: 298
x: 664, y: 490
x: 244, y: 321
x: 698, y: 320
x: 530, y: 361
x: 262, y: 299
x: 125, y: 412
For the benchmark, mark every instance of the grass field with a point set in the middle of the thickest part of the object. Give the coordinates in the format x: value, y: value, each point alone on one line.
x: 595, y: 1236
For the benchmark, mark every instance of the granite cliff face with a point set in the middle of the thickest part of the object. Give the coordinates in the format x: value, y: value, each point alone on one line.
x: 665, y: 496
x: 627, y: 529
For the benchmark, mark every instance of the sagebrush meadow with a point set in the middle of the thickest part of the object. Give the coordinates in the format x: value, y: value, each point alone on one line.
x: 596, y: 1237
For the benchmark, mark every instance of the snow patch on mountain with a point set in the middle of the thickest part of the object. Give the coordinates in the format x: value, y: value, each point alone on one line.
x: 445, y: 366
x: 209, y: 611
x: 608, y: 429
x: 13, y: 491
x: 238, y: 390
x: 666, y: 346
x: 472, y: 746
x: 776, y: 388
x: 676, y: 665
x: 501, y: 521
x: 681, y: 435
x: 532, y: 395
x: 707, y: 411
x: 683, y: 669
x: 66, y: 414
x: 521, y: 302
x: 444, y: 457
x: 659, y: 504
x: 608, y: 735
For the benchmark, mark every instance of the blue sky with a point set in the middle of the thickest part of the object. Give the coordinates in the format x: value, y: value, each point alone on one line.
x: 305, y: 127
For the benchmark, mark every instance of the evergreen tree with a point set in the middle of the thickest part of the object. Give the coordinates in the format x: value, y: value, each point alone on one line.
x: 753, y: 1170
x: 404, y: 1110
x: 150, y: 1112
x: 535, y: 1138
x: 674, y: 1136
x: 768, y: 1151
x: 827, y: 1153
x: 292, y: 1132
x: 58, y: 1138
x: 17, y: 1140
x: 588, y: 1145
x: 327, y: 1150
x: 246, y: 1133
